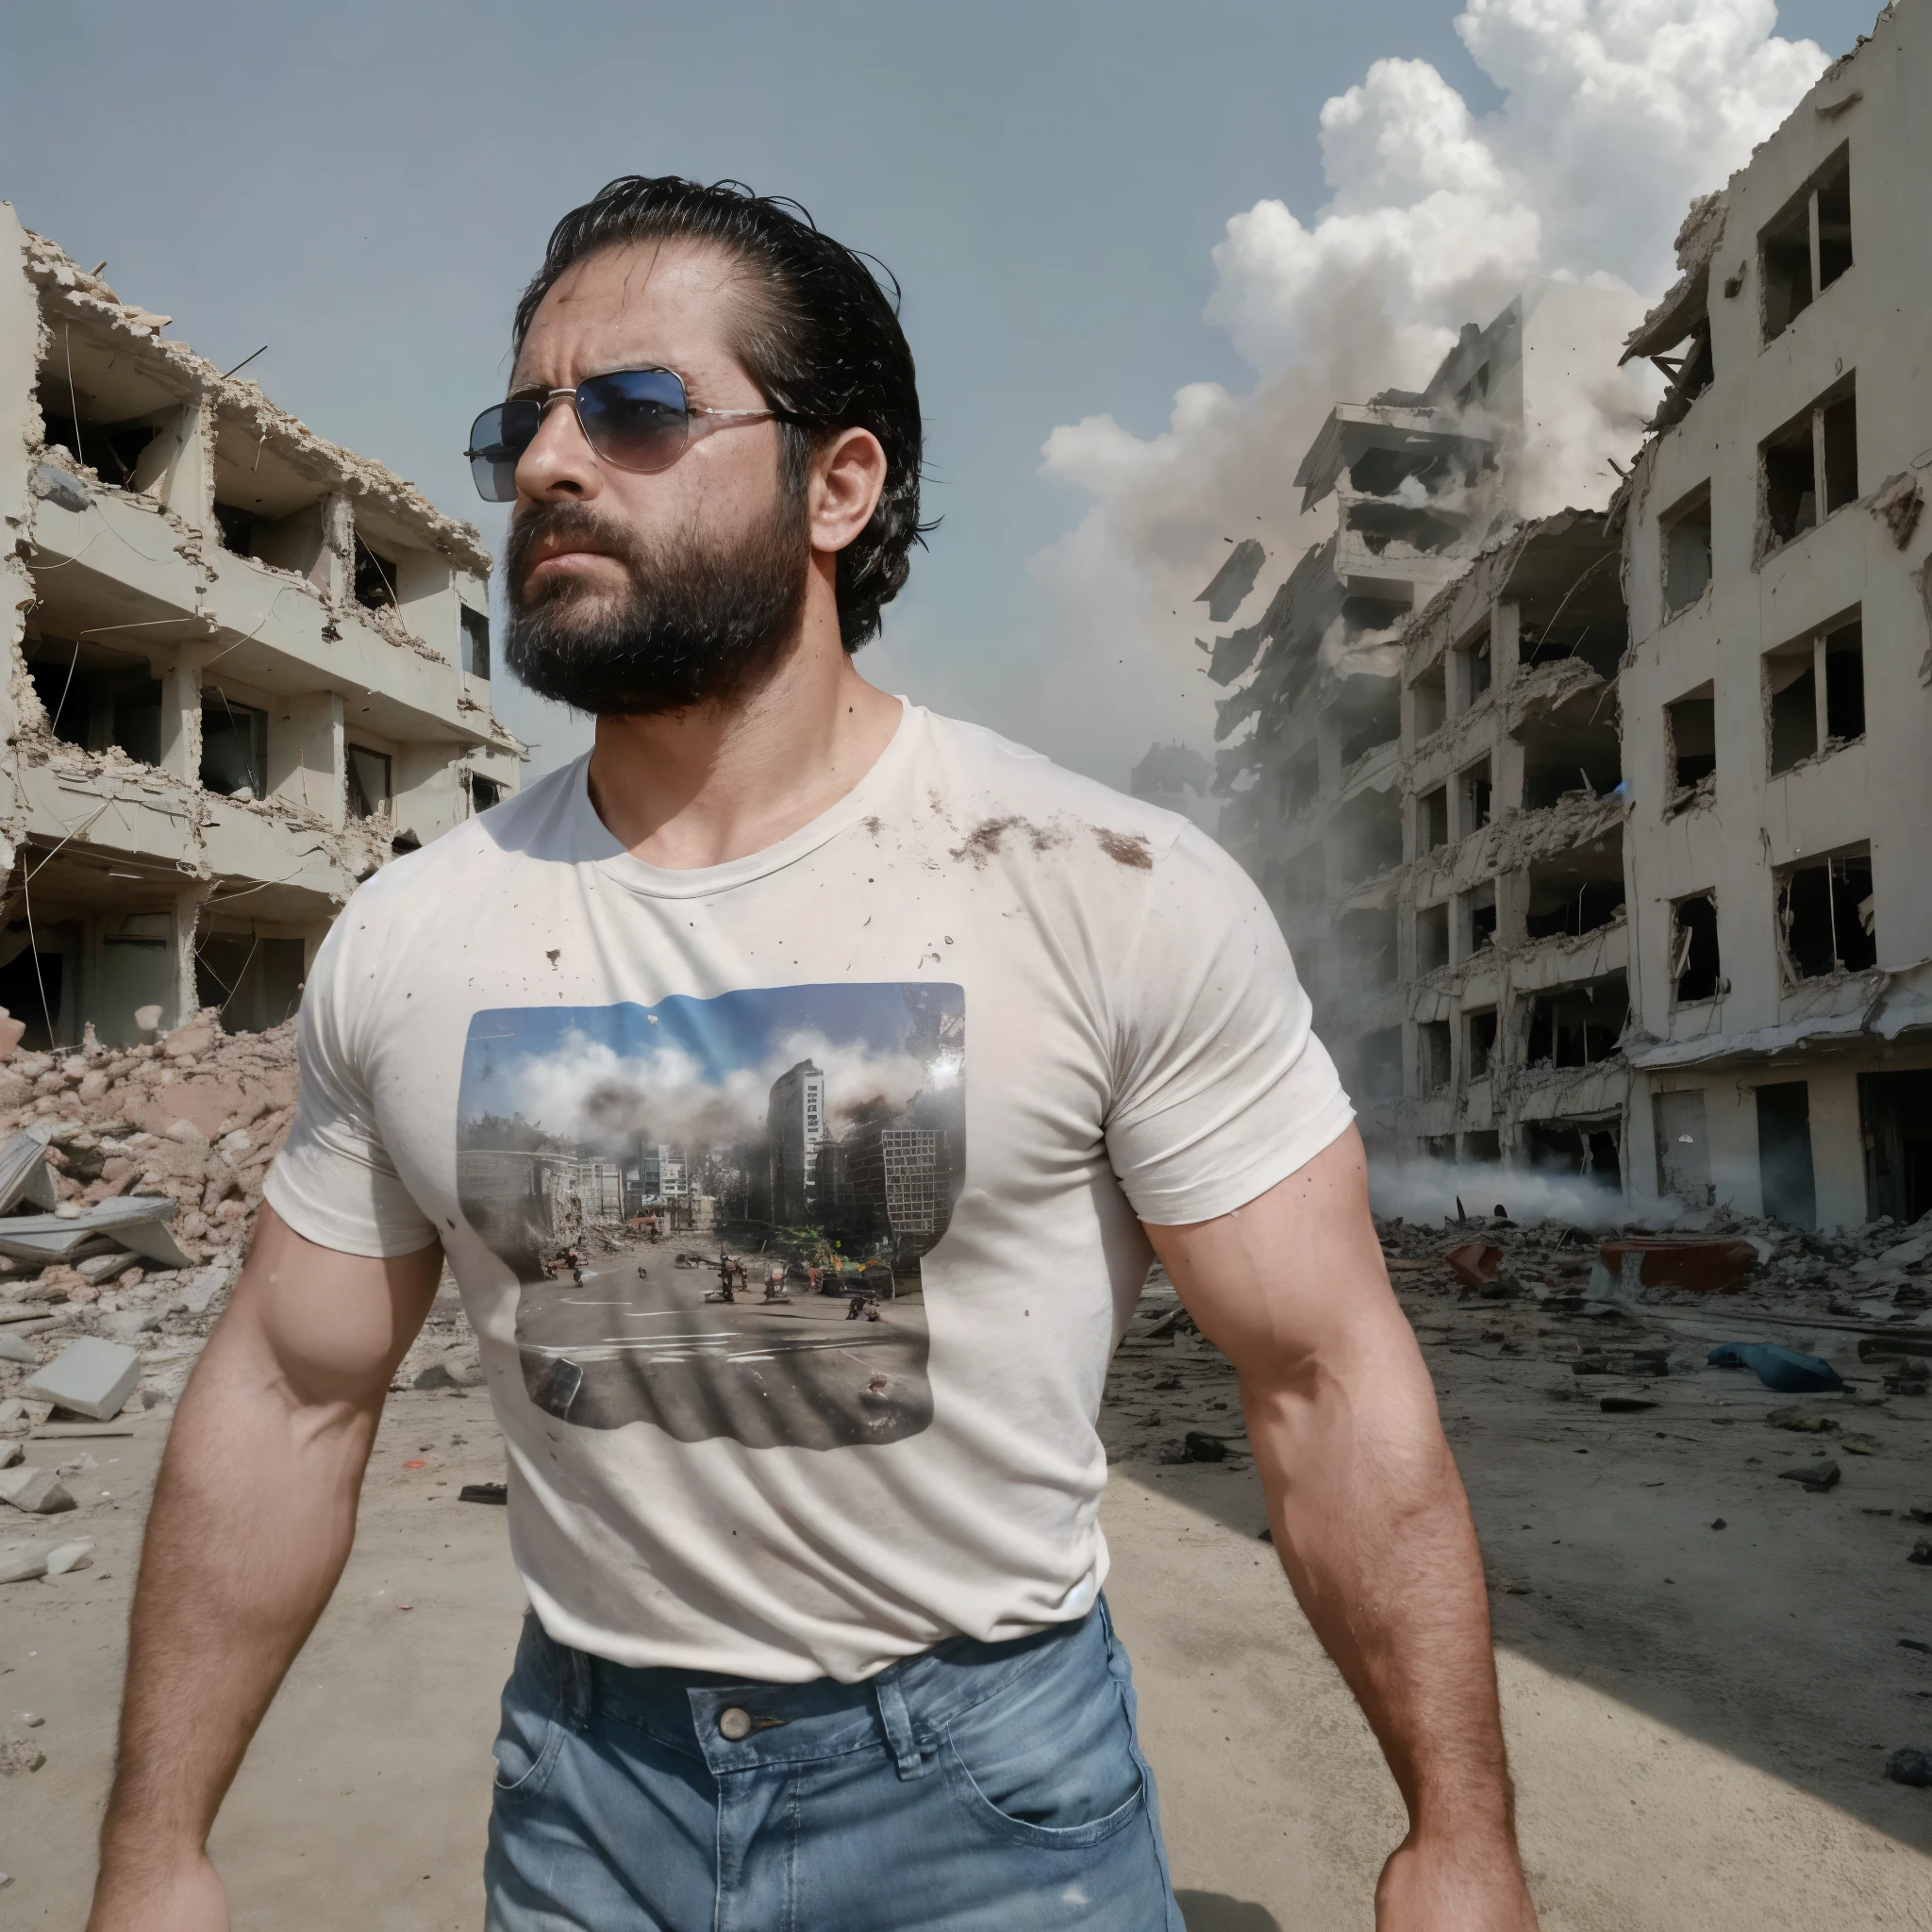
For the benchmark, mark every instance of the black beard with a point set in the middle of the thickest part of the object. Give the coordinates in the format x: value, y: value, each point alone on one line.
x: 697, y: 625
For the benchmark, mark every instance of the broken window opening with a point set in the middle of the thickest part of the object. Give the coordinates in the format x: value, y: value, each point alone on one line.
x: 475, y: 642
x: 112, y: 450
x: 1693, y: 948
x: 1844, y: 683
x: 484, y: 792
x: 95, y: 697
x: 256, y: 982
x: 1361, y: 615
x: 234, y: 746
x: 1475, y: 666
x: 1827, y: 916
x: 1484, y: 1147
x: 235, y: 526
x: 369, y: 782
x: 376, y: 579
x: 1815, y: 694
x: 1439, y: 1146
x: 1809, y: 468
x: 1431, y: 938
x: 1369, y: 735
x: 1383, y: 472
x: 1691, y: 736
x: 1432, y: 1066
x: 1474, y: 790
x: 1598, y: 643
x: 1561, y: 905
x: 1792, y: 683
x: 1562, y: 763
x: 1432, y: 821
x: 1688, y: 374
x: 1380, y: 521
x: 1808, y: 244
x: 1582, y: 1149
x: 1687, y: 551
x: 1480, y: 1041
x: 1479, y: 918
x: 1577, y: 1025
x: 1381, y: 1065
x: 1428, y: 694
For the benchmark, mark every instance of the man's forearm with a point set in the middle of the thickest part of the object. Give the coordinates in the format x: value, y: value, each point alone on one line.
x: 253, y: 1517
x: 1372, y: 1527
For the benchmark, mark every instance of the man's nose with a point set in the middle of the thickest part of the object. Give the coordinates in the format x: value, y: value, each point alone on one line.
x: 559, y: 461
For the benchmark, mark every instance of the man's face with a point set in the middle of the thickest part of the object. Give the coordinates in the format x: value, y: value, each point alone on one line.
x: 632, y: 594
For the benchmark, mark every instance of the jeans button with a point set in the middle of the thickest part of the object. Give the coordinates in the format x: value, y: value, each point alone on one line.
x: 734, y: 1725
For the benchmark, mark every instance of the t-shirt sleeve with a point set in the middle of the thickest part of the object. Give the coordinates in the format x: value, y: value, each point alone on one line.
x: 334, y: 1182
x: 1221, y: 1087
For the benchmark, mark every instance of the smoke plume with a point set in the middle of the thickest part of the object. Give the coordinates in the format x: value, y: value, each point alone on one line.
x: 1616, y: 113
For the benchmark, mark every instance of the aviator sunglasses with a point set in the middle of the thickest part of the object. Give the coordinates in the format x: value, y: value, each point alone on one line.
x: 633, y: 419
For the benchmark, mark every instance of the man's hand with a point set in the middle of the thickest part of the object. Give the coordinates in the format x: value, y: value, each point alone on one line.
x: 1368, y: 1519
x: 254, y: 1513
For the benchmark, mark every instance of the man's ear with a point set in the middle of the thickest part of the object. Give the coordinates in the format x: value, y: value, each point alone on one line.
x: 848, y: 476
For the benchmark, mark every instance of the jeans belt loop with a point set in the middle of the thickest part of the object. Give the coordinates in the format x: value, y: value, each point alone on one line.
x: 898, y: 1721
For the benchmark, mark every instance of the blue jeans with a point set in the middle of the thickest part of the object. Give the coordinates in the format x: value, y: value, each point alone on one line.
x: 975, y: 1788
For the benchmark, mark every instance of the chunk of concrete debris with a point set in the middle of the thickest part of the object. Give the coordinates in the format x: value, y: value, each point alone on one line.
x: 10, y: 1452
x: 99, y: 1267
x: 1474, y: 1263
x: 35, y: 1490
x: 148, y: 1019
x: 92, y: 1376
x: 1202, y: 1447
x: 1920, y: 1552
x: 483, y: 1492
x: 25, y: 1174
x: 22, y: 1566
x: 64, y: 1558
x: 16, y: 1348
x: 1906, y: 1766
x: 129, y: 1324
x: 1815, y: 1476
x: 195, y: 1037
x: 450, y: 1373
x: 1806, y: 1422
x: 19, y: 1752
x: 203, y: 1286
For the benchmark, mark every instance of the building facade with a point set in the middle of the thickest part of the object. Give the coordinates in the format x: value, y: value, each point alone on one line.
x: 1777, y: 715
x: 795, y: 1132
x: 246, y: 668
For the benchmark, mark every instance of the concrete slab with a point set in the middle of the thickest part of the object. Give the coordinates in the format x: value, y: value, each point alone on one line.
x: 90, y: 1377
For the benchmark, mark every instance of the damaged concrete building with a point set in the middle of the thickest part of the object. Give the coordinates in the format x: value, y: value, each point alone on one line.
x: 1432, y: 692
x: 1599, y: 833
x: 1777, y: 710
x: 246, y: 667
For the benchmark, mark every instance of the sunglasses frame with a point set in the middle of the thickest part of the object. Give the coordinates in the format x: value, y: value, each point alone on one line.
x: 548, y: 398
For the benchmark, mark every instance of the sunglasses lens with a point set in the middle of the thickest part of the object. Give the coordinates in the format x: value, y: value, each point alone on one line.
x: 497, y: 439
x: 634, y: 419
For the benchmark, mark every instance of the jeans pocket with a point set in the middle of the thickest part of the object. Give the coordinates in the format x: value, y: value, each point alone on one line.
x: 1049, y: 1761
x: 530, y: 1736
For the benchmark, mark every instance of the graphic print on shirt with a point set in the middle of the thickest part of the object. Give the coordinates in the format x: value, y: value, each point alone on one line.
x: 716, y: 1209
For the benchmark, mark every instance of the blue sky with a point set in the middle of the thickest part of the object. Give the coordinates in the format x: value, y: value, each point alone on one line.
x: 363, y: 188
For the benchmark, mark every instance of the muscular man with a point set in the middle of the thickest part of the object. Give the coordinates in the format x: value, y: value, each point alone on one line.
x: 817, y: 1638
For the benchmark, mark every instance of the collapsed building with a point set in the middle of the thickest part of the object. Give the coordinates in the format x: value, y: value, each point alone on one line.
x: 245, y: 669
x: 1597, y: 832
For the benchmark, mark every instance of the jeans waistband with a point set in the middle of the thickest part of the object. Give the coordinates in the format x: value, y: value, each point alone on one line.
x: 737, y: 1725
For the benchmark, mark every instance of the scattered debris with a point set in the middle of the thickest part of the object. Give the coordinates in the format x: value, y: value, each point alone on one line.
x: 1474, y: 1263
x: 483, y: 1492
x: 1701, y: 1265
x: 1822, y: 1476
x: 1783, y: 1369
x: 37, y: 1490
x: 1910, y: 1767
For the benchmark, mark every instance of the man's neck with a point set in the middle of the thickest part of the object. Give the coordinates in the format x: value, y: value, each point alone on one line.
x: 704, y: 787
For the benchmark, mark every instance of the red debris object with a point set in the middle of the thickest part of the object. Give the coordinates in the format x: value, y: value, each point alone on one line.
x: 1709, y: 1264
x: 1474, y: 1263
x: 416, y: 1464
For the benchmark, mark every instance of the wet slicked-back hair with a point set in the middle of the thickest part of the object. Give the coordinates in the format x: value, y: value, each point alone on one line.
x: 813, y: 328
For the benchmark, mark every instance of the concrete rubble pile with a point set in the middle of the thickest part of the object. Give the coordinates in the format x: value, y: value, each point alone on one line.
x: 1622, y: 1305
x: 129, y: 1180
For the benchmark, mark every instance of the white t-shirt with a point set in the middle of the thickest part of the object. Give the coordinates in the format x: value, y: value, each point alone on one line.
x: 968, y: 1024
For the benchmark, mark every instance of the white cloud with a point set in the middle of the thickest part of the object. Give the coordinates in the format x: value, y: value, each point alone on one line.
x: 1616, y: 114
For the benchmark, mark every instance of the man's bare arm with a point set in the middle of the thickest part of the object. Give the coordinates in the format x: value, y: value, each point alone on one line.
x: 1369, y: 1520
x: 254, y: 1513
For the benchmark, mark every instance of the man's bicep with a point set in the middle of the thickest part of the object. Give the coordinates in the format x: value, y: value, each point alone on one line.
x: 334, y: 1324
x: 1296, y: 1273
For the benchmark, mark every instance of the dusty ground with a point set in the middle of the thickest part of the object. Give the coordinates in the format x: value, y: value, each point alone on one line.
x: 1699, y: 1718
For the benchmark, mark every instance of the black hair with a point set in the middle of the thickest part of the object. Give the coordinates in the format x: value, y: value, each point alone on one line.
x: 817, y: 333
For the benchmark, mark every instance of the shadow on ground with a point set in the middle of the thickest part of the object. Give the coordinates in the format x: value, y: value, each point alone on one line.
x: 1214, y: 1912
x: 1772, y: 1645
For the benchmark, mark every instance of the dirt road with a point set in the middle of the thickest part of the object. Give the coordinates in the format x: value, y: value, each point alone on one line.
x: 1698, y: 1717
